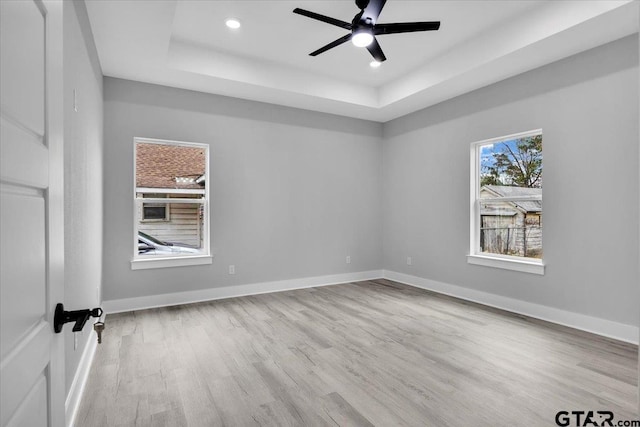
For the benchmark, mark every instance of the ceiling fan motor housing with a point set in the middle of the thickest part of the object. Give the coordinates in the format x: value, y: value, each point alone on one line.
x: 362, y: 4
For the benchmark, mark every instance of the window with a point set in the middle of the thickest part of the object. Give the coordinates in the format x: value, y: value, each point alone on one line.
x: 155, y: 212
x: 171, y: 200
x: 506, y: 202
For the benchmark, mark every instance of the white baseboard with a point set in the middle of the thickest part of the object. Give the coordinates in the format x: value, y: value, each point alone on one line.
x: 72, y: 403
x: 607, y: 328
x: 163, y: 300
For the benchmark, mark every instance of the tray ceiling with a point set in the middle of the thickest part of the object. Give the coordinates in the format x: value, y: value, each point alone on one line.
x: 186, y: 44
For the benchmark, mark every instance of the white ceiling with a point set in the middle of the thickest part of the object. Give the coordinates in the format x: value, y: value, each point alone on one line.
x: 185, y: 44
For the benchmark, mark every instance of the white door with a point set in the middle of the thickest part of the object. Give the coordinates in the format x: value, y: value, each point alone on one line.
x: 31, y: 213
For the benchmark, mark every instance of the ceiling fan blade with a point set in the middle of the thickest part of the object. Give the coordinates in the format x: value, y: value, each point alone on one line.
x: 331, y: 45
x: 327, y: 19
x: 405, y: 27
x: 376, y: 51
x: 373, y: 10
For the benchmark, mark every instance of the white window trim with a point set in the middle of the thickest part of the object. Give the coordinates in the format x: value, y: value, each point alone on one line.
x: 475, y: 257
x: 524, y: 265
x: 170, y: 190
x: 176, y: 261
x: 143, y: 263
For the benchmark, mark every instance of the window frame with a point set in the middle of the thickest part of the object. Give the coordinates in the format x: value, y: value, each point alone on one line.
x: 475, y: 256
x: 140, y: 262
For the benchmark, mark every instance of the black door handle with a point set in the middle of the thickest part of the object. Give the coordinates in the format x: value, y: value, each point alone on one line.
x: 80, y: 317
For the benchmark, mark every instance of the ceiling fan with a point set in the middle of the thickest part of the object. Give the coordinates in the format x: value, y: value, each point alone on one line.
x: 364, y: 27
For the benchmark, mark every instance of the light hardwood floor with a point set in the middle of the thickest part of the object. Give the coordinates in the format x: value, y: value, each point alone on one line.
x: 360, y: 354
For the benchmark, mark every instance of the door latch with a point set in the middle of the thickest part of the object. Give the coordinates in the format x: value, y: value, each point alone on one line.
x: 80, y: 317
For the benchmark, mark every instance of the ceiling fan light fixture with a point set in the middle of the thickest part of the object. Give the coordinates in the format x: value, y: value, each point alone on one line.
x: 232, y: 23
x: 364, y: 28
x: 362, y: 38
x: 375, y: 64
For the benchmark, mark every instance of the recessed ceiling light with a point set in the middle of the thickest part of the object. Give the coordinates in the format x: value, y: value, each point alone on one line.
x: 232, y: 23
x: 375, y: 64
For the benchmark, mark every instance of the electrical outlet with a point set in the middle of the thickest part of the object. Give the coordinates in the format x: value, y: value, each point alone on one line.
x: 348, y: 259
x: 409, y: 260
x: 232, y: 269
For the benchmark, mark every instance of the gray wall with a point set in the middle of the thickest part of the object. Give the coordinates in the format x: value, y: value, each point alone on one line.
x: 293, y: 192
x: 587, y: 106
x: 83, y: 137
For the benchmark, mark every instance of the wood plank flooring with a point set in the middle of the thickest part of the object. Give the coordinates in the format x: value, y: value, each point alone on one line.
x: 359, y: 354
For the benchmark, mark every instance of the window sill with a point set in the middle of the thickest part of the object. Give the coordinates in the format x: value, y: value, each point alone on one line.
x: 144, y: 264
x: 523, y: 265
